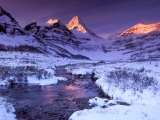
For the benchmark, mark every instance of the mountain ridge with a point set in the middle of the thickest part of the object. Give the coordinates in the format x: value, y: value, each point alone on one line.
x: 142, y: 29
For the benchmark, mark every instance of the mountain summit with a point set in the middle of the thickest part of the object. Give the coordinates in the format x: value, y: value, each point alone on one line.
x: 77, y: 24
x: 141, y: 29
x: 6, y: 17
x: 52, y: 21
x: 8, y: 25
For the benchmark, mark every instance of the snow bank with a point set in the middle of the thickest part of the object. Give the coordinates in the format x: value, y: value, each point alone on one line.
x: 145, y: 102
x: 149, y: 96
x: 82, y: 71
x: 6, y: 110
x: 46, y: 81
x: 49, y: 81
x: 118, y: 112
x: 28, y: 74
x: 126, y: 89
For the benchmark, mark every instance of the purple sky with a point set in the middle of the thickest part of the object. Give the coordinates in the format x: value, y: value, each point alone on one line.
x: 103, y: 17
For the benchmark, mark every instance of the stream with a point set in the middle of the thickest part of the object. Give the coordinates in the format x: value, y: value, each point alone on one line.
x: 52, y: 102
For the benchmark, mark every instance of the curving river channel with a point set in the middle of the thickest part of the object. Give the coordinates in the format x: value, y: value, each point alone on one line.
x: 52, y: 102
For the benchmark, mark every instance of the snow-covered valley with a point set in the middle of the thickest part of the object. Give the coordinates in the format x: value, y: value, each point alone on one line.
x: 135, y: 83
x: 58, y: 71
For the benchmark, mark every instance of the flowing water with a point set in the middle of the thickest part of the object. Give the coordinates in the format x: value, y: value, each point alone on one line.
x: 52, y: 102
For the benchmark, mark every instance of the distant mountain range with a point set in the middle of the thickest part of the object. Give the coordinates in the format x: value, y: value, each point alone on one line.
x: 74, y: 40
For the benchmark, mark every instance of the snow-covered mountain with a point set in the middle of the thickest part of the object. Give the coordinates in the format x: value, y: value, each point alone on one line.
x: 54, y: 36
x: 139, y: 42
x: 30, y: 39
x: 56, y: 33
x: 77, y: 24
x: 141, y: 29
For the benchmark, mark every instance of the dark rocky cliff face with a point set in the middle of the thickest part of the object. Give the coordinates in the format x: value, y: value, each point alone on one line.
x: 8, y: 25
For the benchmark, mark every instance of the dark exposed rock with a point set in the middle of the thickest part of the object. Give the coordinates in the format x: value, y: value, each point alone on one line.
x: 31, y: 26
x: 93, y: 76
x: 2, y: 29
x: 12, y: 81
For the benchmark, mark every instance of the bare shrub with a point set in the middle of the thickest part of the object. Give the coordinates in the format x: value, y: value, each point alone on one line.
x: 128, y: 78
x: 20, y: 73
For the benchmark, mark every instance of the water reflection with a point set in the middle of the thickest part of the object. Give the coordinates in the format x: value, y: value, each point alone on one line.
x: 35, y: 95
x: 70, y: 87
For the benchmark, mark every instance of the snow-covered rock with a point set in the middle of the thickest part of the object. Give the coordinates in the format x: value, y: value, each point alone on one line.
x: 6, y: 110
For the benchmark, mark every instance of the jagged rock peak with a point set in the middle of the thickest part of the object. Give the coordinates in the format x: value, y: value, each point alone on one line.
x: 77, y: 23
x: 77, y: 20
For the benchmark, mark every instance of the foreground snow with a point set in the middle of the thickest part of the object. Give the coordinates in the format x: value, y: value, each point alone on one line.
x: 144, y: 99
x: 6, y: 110
x: 126, y: 90
x: 118, y: 112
